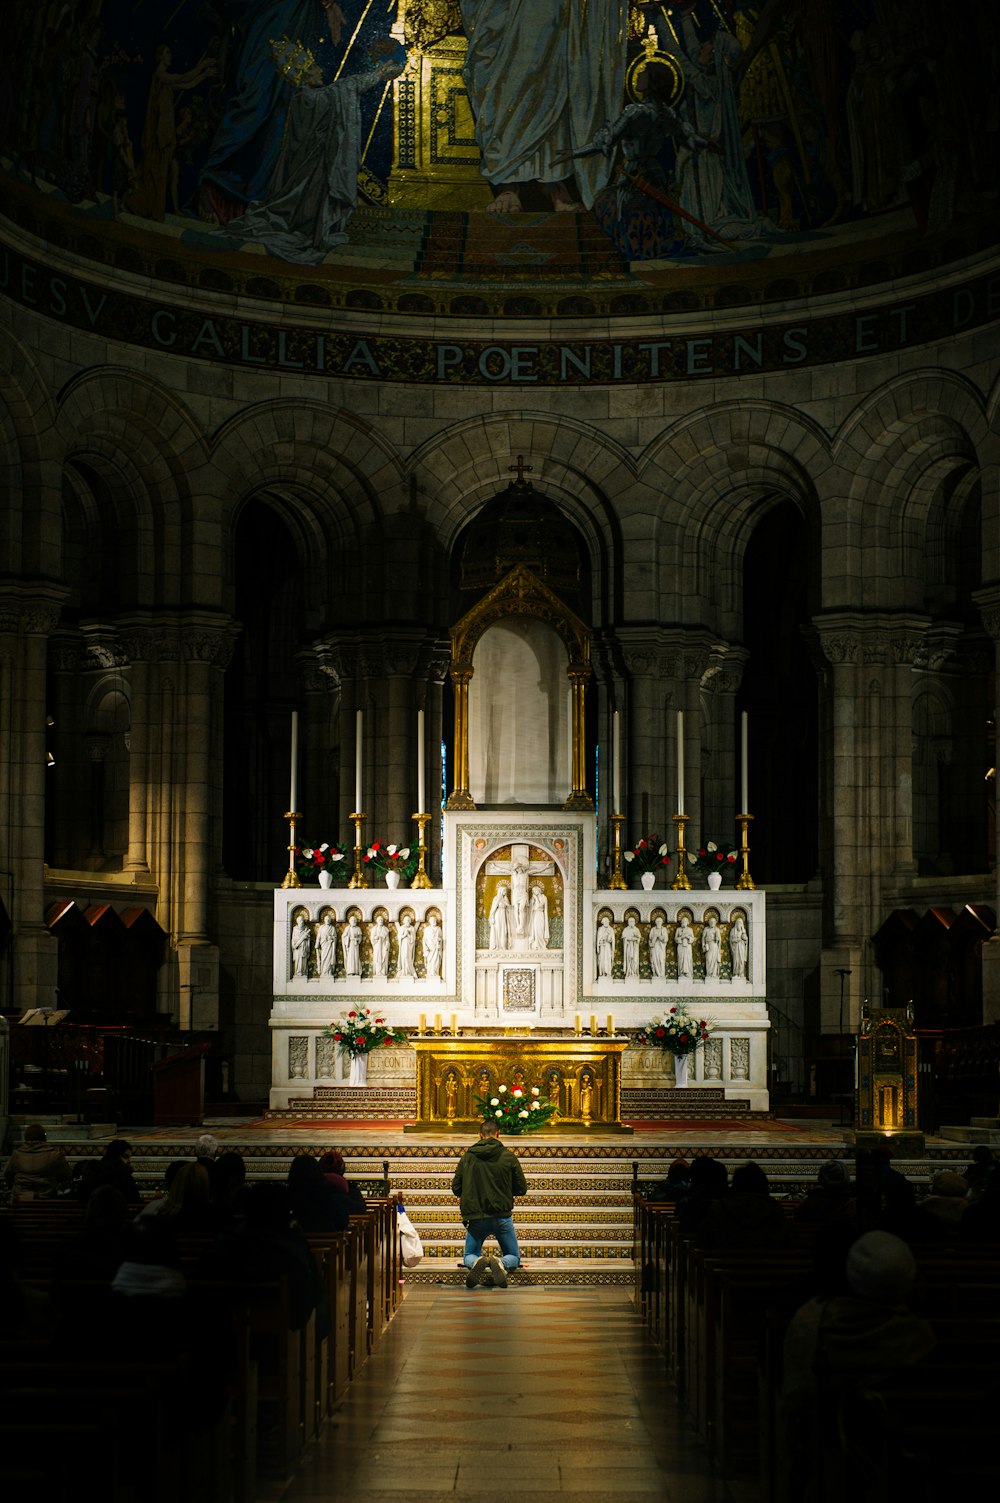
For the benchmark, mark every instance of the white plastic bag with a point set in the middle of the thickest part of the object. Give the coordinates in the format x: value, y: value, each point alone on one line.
x: 410, y: 1246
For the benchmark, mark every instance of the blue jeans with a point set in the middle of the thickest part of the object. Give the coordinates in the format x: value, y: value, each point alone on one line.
x: 502, y: 1228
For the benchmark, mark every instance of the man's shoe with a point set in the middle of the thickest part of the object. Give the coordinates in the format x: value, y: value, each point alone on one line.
x: 476, y: 1272
x: 499, y: 1273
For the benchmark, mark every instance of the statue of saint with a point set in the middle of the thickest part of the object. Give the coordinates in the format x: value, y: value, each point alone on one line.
x: 631, y: 935
x: 658, y: 948
x: 539, y: 931
x: 326, y: 947
x: 407, y: 940
x: 430, y: 945
x: 739, y: 944
x: 450, y: 1095
x: 711, y: 948
x: 500, y: 917
x: 605, y: 947
x: 586, y: 1095
x: 684, y: 943
x: 378, y: 934
x: 301, y: 947
x: 350, y: 943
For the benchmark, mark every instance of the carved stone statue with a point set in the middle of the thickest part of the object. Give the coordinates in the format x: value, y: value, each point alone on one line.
x: 711, y: 948
x: 539, y: 926
x: 631, y: 935
x: 326, y: 947
x: 431, y: 948
x: 350, y: 943
x: 407, y: 940
x: 500, y: 920
x: 519, y: 896
x: 657, y: 942
x: 302, y: 940
x: 605, y: 947
x: 684, y: 942
x: 739, y: 945
x: 378, y: 934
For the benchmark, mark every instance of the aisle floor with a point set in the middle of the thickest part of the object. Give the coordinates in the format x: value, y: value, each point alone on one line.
x: 476, y: 1396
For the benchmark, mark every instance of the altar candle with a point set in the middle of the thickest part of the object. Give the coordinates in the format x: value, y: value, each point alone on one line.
x: 616, y: 761
x: 293, y: 785
x: 437, y: 1022
x: 577, y: 1023
x: 745, y: 761
x: 593, y: 1025
x: 611, y: 1022
x: 359, y: 720
x: 454, y: 1024
x: 680, y: 761
x: 422, y: 1023
x: 420, y: 763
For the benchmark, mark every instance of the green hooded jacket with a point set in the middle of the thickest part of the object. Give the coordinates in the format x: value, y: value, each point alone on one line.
x: 487, y: 1179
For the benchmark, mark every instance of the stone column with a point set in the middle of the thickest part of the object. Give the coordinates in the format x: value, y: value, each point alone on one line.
x: 138, y: 644
x: 988, y: 601
x: 868, y: 785
x: 27, y: 617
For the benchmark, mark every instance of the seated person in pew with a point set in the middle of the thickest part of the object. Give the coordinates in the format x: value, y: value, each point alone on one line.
x: 229, y: 1191
x: 170, y: 1173
x: 98, y: 1249
x: 981, y: 1222
x: 676, y: 1184
x: 840, y: 1345
x: 747, y: 1216
x: 316, y: 1206
x: 938, y: 1217
x: 266, y: 1248
x: 36, y: 1169
x: 709, y: 1181
x: 831, y: 1198
x: 984, y: 1167
x: 112, y: 1168
x: 335, y: 1173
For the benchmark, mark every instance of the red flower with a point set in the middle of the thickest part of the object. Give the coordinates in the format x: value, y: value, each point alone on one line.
x: 352, y: 1014
x: 338, y: 1037
x: 673, y: 1009
x: 731, y: 858
x: 660, y: 1032
x: 702, y: 850
x: 318, y: 857
x: 684, y: 1038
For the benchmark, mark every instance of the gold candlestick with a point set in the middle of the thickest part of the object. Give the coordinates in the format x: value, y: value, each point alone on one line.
x: 360, y: 876
x: 421, y: 879
x: 617, y: 882
x: 291, y: 875
x: 681, y: 882
x: 744, y: 881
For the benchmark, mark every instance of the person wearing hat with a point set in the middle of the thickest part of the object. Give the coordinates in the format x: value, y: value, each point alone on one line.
x: 837, y: 1346
x: 36, y: 1168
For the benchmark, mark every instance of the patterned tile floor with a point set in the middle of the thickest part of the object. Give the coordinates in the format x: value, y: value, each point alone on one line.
x: 477, y: 1396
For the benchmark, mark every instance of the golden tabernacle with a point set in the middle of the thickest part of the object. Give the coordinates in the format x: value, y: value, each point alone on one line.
x: 579, y: 1074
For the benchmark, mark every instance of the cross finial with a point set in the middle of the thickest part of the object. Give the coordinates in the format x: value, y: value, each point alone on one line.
x: 520, y: 468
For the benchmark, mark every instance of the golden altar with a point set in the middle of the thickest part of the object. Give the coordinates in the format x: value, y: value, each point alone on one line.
x: 580, y: 1074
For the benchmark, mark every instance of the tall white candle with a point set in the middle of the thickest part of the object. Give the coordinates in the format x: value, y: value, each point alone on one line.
x: 359, y: 719
x: 745, y: 762
x: 421, y: 806
x: 616, y: 761
x: 294, y: 780
x: 680, y: 761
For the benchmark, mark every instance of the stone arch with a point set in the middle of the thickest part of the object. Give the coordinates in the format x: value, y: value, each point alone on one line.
x: 146, y: 447
x: 330, y: 477
x: 29, y: 529
x: 574, y: 465
x: 729, y: 466
x: 900, y: 448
